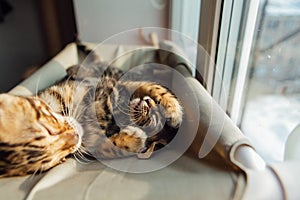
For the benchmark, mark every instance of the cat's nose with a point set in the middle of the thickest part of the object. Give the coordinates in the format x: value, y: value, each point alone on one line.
x: 72, y: 139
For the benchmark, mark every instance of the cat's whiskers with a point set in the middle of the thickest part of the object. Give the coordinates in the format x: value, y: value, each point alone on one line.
x: 78, y: 111
x: 79, y: 155
x: 66, y: 101
x: 32, y: 176
x: 63, y: 100
x: 124, y: 110
x: 72, y: 110
x: 75, y: 112
x: 37, y: 87
x: 38, y: 171
x: 135, y: 115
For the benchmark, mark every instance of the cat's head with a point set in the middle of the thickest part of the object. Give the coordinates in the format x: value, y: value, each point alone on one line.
x: 32, y: 137
x: 145, y: 113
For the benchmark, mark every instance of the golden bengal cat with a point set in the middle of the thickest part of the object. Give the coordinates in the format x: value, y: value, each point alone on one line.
x: 109, y: 119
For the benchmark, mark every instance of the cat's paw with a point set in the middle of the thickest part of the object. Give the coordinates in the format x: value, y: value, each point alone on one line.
x: 131, y: 139
x: 146, y: 109
x: 173, y: 111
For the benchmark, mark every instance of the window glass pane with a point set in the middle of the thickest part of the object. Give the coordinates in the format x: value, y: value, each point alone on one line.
x: 181, y: 21
x: 272, y: 106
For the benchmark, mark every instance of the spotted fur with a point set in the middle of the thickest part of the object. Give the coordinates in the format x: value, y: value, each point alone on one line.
x: 119, y: 118
x: 116, y: 119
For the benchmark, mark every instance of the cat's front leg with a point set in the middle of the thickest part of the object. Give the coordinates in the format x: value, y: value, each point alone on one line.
x: 130, y: 139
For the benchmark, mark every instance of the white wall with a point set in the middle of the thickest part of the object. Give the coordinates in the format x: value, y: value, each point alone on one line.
x: 98, y: 20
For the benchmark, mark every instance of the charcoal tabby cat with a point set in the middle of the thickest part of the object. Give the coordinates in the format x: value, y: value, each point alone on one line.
x: 90, y: 113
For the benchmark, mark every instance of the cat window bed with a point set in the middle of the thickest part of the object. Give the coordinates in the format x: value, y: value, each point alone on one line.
x: 227, y: 172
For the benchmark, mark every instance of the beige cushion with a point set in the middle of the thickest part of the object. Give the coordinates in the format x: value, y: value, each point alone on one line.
x: 216, y: 176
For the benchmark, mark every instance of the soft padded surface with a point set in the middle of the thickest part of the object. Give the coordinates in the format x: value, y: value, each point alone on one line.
x: 187, y: 178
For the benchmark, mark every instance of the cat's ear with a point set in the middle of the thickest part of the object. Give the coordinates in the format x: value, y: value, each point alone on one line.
x: 72, y: 71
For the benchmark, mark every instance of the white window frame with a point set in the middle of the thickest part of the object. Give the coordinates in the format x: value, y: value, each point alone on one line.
x: 235, y: 46
x: 243, y: 64
x: 227, y: 49
x: 221, y: 23
x: 208, y: 40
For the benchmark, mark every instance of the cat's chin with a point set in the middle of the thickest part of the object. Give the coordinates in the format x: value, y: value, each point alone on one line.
x: 79, y: 130
x: 140, y: 103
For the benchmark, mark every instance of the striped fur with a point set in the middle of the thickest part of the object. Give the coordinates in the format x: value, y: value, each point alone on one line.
x: 116, y: 119
x: 33, y: 138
